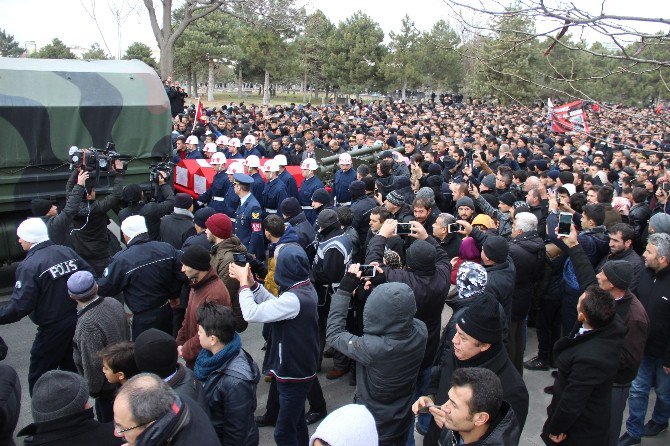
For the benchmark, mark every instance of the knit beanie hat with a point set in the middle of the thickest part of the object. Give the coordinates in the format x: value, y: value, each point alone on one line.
x: 434, y: 181
x: 132, y: 193
x: 508, y: 198
x: 33, y: 230
x: 469, y: 250
x: 81, y: 285
x: 196, y: 257
x: 57, y: 394
x: 40, y: 206
x: 395, y: 198
x: 482, y: 321
x: 660, y: 223
x: 350, y: 424
x: 321, y: 196
x: 489, y: 181
x: 357, y: 189
x: 426, y: 193
x: 421, y: 256
x: 290, y: 207
x: 496, y: 248
x: 327, y: 218
x: 201, y: 215
x: 392, y: 259
x: 133, y: 226
x: 521, y: 206
x: 465, y: 201
x: 553, y: 174
x: 619, y: 273
x: 470, y: 280
x: 156, y: 352
x: 434, y: 169
x: 183, y: 201
x: 220, y: 225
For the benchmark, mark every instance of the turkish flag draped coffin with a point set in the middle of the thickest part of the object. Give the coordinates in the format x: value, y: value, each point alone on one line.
x: 194, y: 177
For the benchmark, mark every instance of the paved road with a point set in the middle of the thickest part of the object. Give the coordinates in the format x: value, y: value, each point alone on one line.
x: 19, y: 338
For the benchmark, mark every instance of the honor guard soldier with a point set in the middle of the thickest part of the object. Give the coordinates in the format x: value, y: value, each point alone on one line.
x: 286, y: 177
x: 253, y: 163
x: 343, y: 178
x: 275, y: 190
x: 41, y: 292
x: 310, y: 183
x: 232, y: 200
x: 250, y: 148
x: 215, y: 196
x: 248, y: 225
x: 233, y: 151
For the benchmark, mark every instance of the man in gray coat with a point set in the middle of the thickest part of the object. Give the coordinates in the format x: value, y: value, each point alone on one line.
x: 388, y: 355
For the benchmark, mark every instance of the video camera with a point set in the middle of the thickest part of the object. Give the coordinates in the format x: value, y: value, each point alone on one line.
x: 156, y: 168
x: 96, y: 160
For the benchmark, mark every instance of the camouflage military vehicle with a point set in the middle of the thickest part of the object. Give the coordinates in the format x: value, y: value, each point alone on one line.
x: 47, y: 106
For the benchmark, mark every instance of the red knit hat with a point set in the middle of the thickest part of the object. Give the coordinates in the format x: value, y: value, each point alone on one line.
x: 220, y: 225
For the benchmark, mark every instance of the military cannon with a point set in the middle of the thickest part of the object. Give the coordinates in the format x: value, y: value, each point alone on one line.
x: 328, y: 163
x: 48, y: 106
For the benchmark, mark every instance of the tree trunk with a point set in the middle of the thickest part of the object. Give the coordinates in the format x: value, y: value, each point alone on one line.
x: 210, y: 82
x: 239, y: 81
x: 189, y: 90
x: 304, y: 87
x: 166, y: 60
x: 266, y: 88
x: 404, y: 89
x: 194, y: 81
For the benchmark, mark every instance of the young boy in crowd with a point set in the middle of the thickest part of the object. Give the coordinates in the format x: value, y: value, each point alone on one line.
x: 118, y: 362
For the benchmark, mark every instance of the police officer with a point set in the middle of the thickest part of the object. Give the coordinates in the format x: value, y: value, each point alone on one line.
x: 41, y: 292
x: 253, y: 164
x: 343, y: 178
x: 148, y: 273
x: 286, y: 177
x: 275, y: 190
x: 248, y: 218
x: 310, y: 183
x: 215, y: 196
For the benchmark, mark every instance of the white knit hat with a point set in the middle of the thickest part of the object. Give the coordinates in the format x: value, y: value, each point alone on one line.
x: 33, y: 230
x: 134, y: 225
x: 350, y: 424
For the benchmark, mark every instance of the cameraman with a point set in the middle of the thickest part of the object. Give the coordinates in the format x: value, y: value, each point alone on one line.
x: 90, y: 237
x: 151, y: 210
x: 176, y: 95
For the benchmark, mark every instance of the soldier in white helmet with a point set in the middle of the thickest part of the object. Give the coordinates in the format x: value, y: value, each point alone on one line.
x: 310, y: 183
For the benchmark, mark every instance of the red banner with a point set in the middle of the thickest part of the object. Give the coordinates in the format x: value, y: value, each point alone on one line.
x: 569, y: 117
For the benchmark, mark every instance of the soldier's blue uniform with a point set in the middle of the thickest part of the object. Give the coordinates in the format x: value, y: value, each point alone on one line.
x: 307, y: 189
x: 273, y: 194
x: 341, y: 184
x: 230, y: 156
x: 257, y: 150
x: 231, y: 202
x: 41, y: 293
x: 194, y: 155
x: 215, y: 196
x: 258, y: 187
x: 290, y: 183
x: 249, y: 222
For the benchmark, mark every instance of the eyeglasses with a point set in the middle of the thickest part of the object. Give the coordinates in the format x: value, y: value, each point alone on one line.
x: 119, y: 432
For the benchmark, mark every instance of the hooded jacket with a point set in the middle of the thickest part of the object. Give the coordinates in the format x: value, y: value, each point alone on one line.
x: 388, y: 355
x: 231, y: 395
x: 504, y: 431
x: 528, y: 253
x: 290, y: 236
x: 222, y: 256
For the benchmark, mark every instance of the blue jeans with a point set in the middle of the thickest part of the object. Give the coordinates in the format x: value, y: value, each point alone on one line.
x: 649, y: 375
x: 291, y: 427
x: 422, y: 382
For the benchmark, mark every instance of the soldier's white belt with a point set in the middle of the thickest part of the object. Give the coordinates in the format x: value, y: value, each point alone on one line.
x: 307, y: 208
x: 271, y: 211
x: 344, y: 204
x: 218, y: 198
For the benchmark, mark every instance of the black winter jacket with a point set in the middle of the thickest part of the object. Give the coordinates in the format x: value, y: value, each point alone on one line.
x: 528, y: 253
x: 654, y: 293
x: 231, y: 395
x: 504, y: 431
x: 152, y: 211
x: 183, y: 382
x: 176, y: 228
x: 79, y: 429
x: 580, y: 406
x: 631, y: 257
x: 10, y: 403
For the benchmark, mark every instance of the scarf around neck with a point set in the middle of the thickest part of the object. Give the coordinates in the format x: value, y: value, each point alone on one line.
x: 206, y: 362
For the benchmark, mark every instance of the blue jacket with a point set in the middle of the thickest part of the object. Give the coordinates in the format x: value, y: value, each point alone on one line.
x: 249, y: 227
x: 231, y: 395
x: 307, y: 189
x: 215, y: 196
x: 41, y: 285
x: 258, y: 186
x: 341, y: 185
x: 273, y: 194
x: 290, y: 183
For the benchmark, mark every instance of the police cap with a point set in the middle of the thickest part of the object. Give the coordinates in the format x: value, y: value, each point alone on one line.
x: 243, y: 178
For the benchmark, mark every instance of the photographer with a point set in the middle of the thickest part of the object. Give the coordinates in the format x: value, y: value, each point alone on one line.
x: 176, y: 95
x: 151, y: 211
x: 90, y: 237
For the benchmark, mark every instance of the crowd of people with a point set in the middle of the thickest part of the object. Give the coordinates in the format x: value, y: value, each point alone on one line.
x: 477, y: 208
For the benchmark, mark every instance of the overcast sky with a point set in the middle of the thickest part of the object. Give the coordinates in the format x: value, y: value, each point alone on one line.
x: 39, y: 21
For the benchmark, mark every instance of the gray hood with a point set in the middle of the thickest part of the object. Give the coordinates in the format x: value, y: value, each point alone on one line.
x: 390, y: 310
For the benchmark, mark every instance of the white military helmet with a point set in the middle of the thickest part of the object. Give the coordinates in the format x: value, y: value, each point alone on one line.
x: 210, y: 147
x: 250, y: 139
x: 218, y: 158
x: 222, y: 140
x: 271, y: 166
x: 281, y: 160
x: 345, y: 158
x: 234, y: 168
x: 234, y: 142
x: 253, y: 161
x: 192, y: 140
x: 309, y: 164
